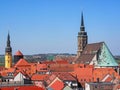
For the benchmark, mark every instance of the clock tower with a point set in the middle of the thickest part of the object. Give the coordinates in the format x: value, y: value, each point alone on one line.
x: 82, y: 38
x: 8, y: 54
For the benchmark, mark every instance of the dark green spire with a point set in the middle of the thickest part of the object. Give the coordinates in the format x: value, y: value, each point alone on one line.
x: 8, y: 40
x: 82, y: 28
x: 8, y: 47
x: 82, y: 20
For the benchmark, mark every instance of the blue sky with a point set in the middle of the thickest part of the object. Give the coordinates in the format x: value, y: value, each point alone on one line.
x: 52, y: 26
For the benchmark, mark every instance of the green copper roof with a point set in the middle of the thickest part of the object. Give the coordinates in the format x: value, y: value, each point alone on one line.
x: 105, y: 57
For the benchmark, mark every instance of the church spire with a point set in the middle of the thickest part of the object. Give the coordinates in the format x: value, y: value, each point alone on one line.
x: 8, y: 40
x: 82, y: 28
x: 82, y: 37
x: 82, y: 19
x: 8, y: 47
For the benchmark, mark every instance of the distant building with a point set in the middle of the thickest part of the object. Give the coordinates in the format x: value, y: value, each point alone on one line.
x: 8, y: 54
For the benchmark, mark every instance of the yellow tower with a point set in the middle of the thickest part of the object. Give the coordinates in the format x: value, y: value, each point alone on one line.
x: 8, y: 54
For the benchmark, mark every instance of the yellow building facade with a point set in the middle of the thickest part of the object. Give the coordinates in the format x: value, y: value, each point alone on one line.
x: 8, y: 60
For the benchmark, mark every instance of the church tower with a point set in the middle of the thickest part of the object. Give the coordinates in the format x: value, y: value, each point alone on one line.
x: 8, y: 54
x: 82, y: 37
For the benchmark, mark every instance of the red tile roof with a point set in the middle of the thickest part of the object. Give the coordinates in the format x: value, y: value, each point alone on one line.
x: 38, y: 77
x: 41, y: 67
x: 2, y: 68
x: 18, y: 53
x: 50, y: 78
x: 102, y: 72
x: 64, y: 76
x: 48, y: 62
x: 61, y: 67
x: 57, y: 84
x: 109, y: 79
x: 83, y: 74
x: 22, y: 62
x: 10, y: 70
x: 5, y: 72
x: 61, y: 61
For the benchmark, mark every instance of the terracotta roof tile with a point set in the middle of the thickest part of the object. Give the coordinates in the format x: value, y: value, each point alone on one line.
x: 3, y: 73
x: 41, y: 67
x: 109, y: 79
x: 57, y: 84
x: 102, y: 72
x: 61, y: 61
x: 64, y: 76
x: 18, y: 53
x: 10, y: 70
x: 22, y: 62
x: 38, y: 77
x: 48, y: 62
x: 61, y: 67
x: 83, y: 74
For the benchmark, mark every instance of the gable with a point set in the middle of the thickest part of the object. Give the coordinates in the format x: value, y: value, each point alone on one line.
x: 19, y: 77
x: 22, y: 62
x: 89, y: 53
x: 107, y: 78
x: 105, y: 57
x: 57, y: 84
x: 104, y: 73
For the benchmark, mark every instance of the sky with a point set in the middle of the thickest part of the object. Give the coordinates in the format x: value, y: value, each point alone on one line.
x: 52, y: 26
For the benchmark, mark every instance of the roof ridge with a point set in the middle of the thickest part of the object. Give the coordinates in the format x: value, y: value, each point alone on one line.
x: 96, y: 43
